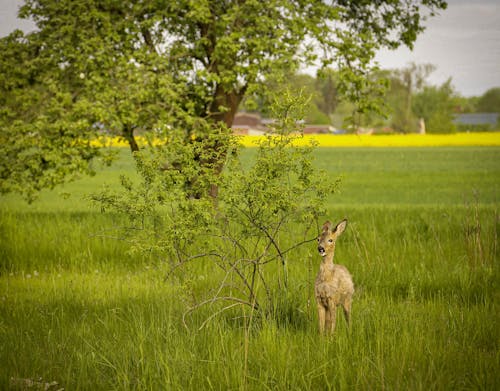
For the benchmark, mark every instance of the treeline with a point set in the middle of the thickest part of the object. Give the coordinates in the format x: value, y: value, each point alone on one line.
x: 410, y: 104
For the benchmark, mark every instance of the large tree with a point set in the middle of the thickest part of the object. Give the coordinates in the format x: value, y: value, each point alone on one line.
x: 185, y: 64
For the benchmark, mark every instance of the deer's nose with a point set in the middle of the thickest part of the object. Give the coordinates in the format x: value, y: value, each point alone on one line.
x: 321, y: 249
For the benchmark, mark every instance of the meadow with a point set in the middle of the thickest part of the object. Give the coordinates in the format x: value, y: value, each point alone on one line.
x: 78, y: 309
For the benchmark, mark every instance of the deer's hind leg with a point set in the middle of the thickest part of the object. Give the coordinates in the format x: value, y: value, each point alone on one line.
x: 321, y: 318
x: 346, y: 306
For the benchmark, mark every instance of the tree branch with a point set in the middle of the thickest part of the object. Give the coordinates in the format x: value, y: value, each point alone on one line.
x: 238, y: 301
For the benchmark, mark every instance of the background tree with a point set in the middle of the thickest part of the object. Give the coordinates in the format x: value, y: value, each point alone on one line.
x: 209, y: 53
x: 465, y: 104
x: 315, y: 112
x: 405, y: 83
x: 326, y: 84
x: 436, y: 105
x: 489, y: 102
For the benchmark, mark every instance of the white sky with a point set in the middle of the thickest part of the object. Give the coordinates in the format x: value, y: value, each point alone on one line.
x: 463, y: 42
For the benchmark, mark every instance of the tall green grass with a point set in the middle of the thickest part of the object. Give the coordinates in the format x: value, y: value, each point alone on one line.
x: 77, y: 308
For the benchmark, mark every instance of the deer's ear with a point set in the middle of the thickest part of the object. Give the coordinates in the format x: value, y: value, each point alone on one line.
x: 327, y: 226
x: 340, y: 227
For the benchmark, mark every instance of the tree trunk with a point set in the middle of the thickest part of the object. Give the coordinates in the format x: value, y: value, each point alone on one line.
x: 223, y: 110
x: 128, y: 133
x: 225, y: 105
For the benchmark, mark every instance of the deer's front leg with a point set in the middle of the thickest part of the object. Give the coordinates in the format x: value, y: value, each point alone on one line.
x: 321, y: 318
x: 330, y: 318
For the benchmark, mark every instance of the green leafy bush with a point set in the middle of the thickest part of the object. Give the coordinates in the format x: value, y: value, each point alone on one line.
x: 245, y: 232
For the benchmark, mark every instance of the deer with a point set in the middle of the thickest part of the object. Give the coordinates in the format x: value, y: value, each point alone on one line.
x: 333, y: 286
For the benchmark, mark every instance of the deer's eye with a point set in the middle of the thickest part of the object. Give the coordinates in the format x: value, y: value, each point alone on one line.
x: 330, y: 240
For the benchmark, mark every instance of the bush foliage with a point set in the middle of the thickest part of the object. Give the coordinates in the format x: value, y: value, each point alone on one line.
x: 242, y: 231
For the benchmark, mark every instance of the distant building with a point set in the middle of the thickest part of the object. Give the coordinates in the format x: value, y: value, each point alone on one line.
x: 248, y: 124
x: 247, y: 120
x: 477, y: 119
x: 253, y: 124
x: 318, y: 129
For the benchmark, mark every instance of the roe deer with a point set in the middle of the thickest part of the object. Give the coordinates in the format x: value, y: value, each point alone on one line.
x: 333, y: 286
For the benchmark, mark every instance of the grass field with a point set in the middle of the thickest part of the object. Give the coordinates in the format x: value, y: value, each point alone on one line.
x: 76, y: 308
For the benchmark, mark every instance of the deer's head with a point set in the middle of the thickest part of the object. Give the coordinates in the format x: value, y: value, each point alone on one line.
x: 328, y: 237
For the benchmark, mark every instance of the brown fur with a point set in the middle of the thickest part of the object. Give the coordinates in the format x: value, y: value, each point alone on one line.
x: 333, y: 286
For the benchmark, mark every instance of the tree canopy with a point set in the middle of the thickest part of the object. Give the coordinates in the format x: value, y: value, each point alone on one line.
x: 168, y: 65
x: 489, y: 102
x: 435, y: 104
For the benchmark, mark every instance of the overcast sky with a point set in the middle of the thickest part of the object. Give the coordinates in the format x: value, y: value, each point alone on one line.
x: 463, y: 42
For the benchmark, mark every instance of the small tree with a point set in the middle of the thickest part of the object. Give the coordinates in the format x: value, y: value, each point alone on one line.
x: 247, y: 234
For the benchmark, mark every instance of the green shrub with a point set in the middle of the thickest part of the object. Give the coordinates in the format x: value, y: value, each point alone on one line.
x: 243, y: 233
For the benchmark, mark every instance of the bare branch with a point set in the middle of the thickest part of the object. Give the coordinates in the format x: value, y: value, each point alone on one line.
x: 217, y: 313
x: 253, y: 306
x: 290, y: 249
x: 184, y: 261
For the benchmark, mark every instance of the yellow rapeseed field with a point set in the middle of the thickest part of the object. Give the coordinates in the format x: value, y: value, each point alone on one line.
x: 352, y: 140
x: 395, y: 140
